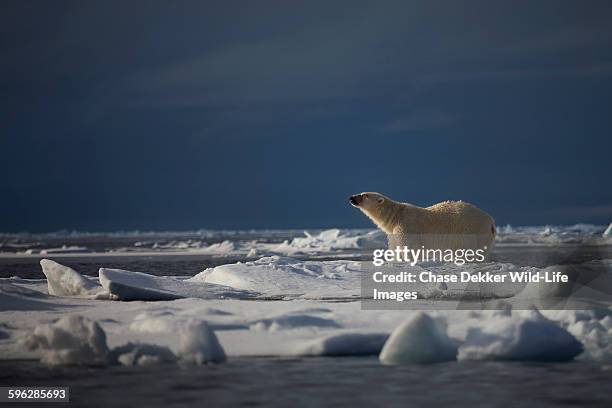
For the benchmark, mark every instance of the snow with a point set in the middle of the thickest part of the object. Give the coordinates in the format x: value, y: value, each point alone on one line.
x: 288, y: 277
x: 530, y: 338
x: 419, y: 340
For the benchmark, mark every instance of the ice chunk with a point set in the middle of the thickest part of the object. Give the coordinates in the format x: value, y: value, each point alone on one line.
x: 72, y: 340
x: 138, y: 354
x: 420, y: 340
x: 345, y: 344
x: 608, y: 232
x: 128, y: 285
x: 199, y: 344
x: 530, y: 338
x: 65, y: 281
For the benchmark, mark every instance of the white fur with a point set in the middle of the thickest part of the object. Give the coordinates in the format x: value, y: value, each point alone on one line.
x: 449, y: 224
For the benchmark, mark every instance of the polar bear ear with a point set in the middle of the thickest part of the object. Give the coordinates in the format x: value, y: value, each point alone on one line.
x: 380, y: 200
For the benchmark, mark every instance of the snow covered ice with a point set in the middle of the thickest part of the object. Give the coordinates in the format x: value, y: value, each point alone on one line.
x: 127, y: 285
x: 524, y: 338
x: 280, y: 304
x: 275, y: 276
x: 419, y: 340
x: 65, y: 281
x: 72, y: 340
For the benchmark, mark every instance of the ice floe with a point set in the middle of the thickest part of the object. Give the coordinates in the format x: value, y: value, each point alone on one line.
x: 128, y: 285
x: 119, y: 284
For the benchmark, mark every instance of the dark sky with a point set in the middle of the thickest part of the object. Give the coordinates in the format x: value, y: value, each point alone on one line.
x: 269, y: 114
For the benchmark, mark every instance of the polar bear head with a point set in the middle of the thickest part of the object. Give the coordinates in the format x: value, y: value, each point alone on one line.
x: 377, y: 207
x: 367, y: 201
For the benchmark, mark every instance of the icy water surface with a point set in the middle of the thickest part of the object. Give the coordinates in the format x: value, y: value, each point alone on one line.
x: 184, y: 254
x: 313, y: 382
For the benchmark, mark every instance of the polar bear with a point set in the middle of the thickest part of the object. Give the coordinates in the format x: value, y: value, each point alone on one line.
x: 446, y: 225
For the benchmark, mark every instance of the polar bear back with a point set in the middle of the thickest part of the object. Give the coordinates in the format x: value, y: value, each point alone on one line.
x: 450, y: 224
x: 456, y: 217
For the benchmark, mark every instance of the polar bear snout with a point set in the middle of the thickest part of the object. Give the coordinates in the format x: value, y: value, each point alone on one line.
x: 356, y: 199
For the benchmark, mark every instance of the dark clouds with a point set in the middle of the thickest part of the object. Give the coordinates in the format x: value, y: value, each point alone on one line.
x: 268, y: 114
